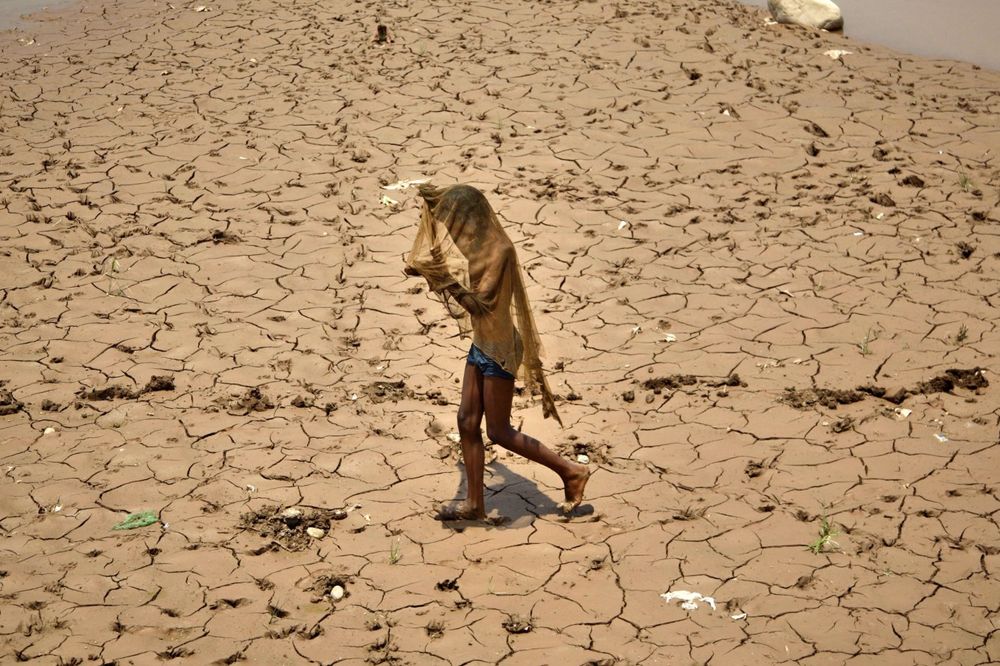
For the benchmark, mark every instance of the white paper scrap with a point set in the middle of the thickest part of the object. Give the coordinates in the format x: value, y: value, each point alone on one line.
x: 836, y: 53
x: 405, y: 184
x: 689, y: 600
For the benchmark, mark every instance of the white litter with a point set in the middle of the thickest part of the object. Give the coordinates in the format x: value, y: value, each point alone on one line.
x: 202, y: 8
x: 670, y: 337
x: 354, y: 396
x: 622, y: 224
x: 902, y: 413
x: 48, y: 431
x: 251, y: 488
x: 387, y: 201
x: 405, y: 184
x: 57, y: 508
x: 583, y: 459
x: 738, y: 616
x: 689, y: 600
x: 836, y: 53
x: 859, y: 233
x: 454, y: 437
x: 939, y: 437
x: 769, y: 21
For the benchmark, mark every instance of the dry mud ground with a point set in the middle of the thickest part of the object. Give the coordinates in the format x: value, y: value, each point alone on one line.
x: 195, y: 195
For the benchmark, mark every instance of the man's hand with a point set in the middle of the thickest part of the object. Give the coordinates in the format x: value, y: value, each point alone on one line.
x: 471, y: 304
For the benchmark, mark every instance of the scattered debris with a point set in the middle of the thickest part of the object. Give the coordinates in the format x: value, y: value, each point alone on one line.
x: 8, y: 404
x: 837, y: 54
x: 254, y: 400
x: 939, y: 437
x: 671, y: 382
x: 843, y: 424
x: 382, y: 391
x: 289, y: 527
x: 689, y: 600
x: 515, y: 624
x: 830, y: 398
x: 388, y: 201
x: 330, y: 586
x: 447, y: 584
x: 738, y: 616
x: 405, y: 184
x: 902, y: 412
x: 136, y: 520
x: 117, y: 391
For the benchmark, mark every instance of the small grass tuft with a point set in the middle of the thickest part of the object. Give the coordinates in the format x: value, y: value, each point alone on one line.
x: 826, y: 534
x: 870, y: 336
x: 395, y: 553
x: 962, y: 335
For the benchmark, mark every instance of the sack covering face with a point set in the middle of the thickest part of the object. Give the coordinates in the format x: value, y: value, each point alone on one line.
x: 470, y: 263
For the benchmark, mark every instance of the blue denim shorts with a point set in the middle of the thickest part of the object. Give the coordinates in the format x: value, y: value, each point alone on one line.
x: 486, y: 365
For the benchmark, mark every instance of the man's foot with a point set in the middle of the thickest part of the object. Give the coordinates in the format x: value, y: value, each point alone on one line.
x: 574, y: 485
x: 463, y: 511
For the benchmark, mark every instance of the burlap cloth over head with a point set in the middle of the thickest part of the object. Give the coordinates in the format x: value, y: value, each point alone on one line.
x: 467, y: 259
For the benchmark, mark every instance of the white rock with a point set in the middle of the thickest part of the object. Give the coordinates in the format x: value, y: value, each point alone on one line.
x: 337, y: 593
x: 291, y: 513
x: 822, y: 14
x: 315, y: 532
x: 583, y: 459
x: 49, y: 430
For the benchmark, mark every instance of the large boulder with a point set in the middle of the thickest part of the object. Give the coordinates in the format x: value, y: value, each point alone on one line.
x: 821, y: 14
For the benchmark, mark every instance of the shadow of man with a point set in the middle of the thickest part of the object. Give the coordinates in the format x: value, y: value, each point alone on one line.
x: 515, y: 501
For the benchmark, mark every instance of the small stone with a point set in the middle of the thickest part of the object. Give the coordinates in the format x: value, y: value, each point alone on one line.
x: 583, y: 459
x: 337, y: 593
x: 315, y: 532
x: 338, y: 514
x: 49, y: 430
x: 291, y: 517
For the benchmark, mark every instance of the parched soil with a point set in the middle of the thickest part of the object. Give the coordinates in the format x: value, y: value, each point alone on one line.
x: 203, y: 314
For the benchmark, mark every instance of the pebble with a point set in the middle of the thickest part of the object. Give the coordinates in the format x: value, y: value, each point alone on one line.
x: 337, y: 593
x: 583, y: 459
x: 315, y: 532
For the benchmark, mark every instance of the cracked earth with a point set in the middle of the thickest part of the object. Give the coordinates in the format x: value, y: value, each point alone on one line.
x: 725, y: 234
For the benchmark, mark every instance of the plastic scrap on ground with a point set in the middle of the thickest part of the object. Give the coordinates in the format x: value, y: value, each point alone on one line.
x: 134, y: 520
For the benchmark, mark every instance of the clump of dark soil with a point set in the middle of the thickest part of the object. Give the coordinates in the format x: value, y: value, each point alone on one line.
x: 669, y: 382
x: 254, y: 400
x: 50, y: 406
x: 225, y: 237
x: 288, y: 526
x: 394, y: 391
x: 806, y: 398
x: 8, y: 403
x: 120, y: 392
x: 970, y: 379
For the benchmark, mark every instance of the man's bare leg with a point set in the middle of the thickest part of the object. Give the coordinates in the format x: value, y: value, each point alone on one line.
x: 470, y: 418
x: 498, y: 394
